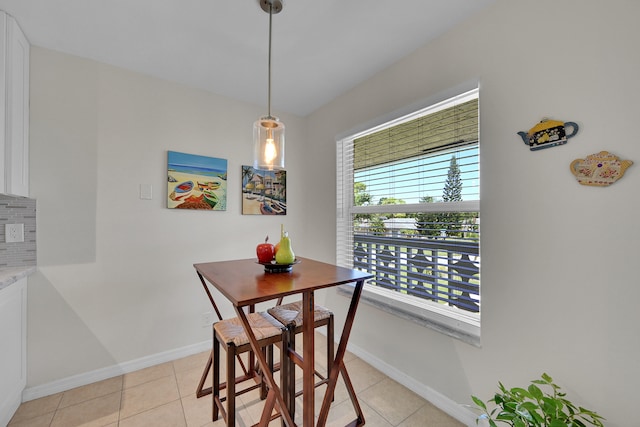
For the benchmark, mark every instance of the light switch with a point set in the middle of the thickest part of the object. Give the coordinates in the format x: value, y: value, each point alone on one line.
x: 146, y: 191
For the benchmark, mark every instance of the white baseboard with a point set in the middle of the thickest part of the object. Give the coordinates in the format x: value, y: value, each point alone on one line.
x: 9, y: 405
x: 74, y: 381
x: 456, y: 410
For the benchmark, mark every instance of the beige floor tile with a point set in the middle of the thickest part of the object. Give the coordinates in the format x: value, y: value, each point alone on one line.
x: 362, y: 374
x: 430, y: 416
x: 343, y: 413
x: 340, y: 394
x: 197, y: 411
x: 97, y: 412
x: 91, y: 391
x: 148, y: 396
x: 348, y: 356
x: 198, y: 360
x: 167, y: 415
x: 188, y: 381
x: 148, y: 374
x: 391, y: 400
x: 39, y: 421
x: 251, y: 403
x: 245, y: 416
x: 37, y: 407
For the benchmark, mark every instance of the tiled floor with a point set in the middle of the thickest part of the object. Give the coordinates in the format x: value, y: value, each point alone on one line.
x: 164, y: 395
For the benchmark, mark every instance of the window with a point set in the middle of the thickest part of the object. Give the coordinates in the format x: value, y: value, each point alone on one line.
x: 408, y: 197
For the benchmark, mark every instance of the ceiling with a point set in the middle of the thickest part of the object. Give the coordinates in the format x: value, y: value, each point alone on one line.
x: 321, y: 48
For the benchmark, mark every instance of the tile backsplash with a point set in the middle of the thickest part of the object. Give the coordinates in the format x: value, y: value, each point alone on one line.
x: 18, y: 210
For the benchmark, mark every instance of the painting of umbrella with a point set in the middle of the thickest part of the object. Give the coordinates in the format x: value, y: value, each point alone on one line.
x: 264, y: 192
x: 196, y: 182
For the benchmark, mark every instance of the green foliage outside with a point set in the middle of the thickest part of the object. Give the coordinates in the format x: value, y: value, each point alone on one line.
x: 431, y: 224
x: 374, y: 222
x: 451, y: 224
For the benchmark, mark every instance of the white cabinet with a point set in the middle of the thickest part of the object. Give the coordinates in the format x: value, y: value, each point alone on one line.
x: 13, y: 348
x: 14, y: 108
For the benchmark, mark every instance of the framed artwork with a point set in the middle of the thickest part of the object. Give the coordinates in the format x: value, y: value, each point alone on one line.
x: 264, y: 192
x: 196, y: 182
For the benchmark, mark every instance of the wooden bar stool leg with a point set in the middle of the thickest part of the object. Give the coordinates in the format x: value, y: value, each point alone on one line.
x: 200, y: 391
x: 284, y: 369
x: 231, y: 386
x: 330, y: 346
x: 215, y: 358
x: 291, y: 383
x: 268, y: 352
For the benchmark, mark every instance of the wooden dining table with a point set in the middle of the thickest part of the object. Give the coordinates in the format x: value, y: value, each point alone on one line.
x: 245, y: 283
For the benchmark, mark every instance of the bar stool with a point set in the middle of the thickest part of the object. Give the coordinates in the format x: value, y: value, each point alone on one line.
x: 229, y: 333
x: 290, y: 315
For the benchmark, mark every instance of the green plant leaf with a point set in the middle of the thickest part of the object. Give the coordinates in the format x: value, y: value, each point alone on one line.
x: 521, y: 392
x: 506, y: 416
x: 549, y: 405
x: 535, y: 392
x: 558, y: 423
x: 479, y: 403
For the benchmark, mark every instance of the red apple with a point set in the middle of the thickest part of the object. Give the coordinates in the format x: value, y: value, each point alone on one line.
x: 265, y: 251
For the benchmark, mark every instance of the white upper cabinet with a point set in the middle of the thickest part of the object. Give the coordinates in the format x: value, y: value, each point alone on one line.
x: 14, y: 108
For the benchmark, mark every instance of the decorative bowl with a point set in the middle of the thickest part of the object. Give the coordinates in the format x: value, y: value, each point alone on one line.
x: 273, y: 267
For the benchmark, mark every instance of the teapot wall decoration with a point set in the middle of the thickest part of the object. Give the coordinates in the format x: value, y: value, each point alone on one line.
x: 600, y: 169
x: 548, y: 133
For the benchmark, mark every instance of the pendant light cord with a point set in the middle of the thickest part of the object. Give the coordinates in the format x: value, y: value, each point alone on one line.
x: 269, y: 85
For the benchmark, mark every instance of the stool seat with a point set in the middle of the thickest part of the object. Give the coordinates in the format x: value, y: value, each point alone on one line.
x: 291, y: 313
x: 263, y: 325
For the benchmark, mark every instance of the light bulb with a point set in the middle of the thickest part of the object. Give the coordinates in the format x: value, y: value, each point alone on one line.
x: 270, y: 152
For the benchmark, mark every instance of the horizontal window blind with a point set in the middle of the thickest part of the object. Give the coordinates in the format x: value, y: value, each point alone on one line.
x: 436, y: 129
x: 408, y: 197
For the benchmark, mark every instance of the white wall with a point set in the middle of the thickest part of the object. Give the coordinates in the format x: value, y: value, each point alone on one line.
x: 115, y: 278
x: 559, y: 286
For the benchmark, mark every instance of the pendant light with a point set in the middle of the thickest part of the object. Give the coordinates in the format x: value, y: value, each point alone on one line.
x: 268, y: 131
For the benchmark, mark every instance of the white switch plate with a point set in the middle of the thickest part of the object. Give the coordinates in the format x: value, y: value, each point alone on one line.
x: 13, y: 233
x: 146, y: 191
x: 207, y: 319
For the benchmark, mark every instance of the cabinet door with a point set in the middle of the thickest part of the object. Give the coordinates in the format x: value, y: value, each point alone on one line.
x: 13, y: 358
x: 3, y: 96
x: 17, y: 111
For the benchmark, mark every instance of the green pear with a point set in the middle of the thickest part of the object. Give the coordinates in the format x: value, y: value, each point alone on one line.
x: 285, y: 253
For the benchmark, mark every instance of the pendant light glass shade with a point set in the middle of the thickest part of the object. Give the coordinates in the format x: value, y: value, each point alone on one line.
x: 268, y: 131
x: 268, y: 144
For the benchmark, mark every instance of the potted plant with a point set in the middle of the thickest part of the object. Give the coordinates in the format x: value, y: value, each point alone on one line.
x: 519, y: 407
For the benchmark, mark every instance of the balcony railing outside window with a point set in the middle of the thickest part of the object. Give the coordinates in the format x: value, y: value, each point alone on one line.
x: 442, y: 270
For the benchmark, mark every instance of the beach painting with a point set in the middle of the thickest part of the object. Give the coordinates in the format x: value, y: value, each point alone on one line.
x: 196, y: 182
x: 264, y: 192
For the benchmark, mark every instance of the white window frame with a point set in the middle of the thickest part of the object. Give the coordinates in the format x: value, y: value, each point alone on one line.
x: 455, y: 323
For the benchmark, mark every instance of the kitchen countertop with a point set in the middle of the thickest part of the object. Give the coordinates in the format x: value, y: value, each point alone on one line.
x: 13, y: 274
